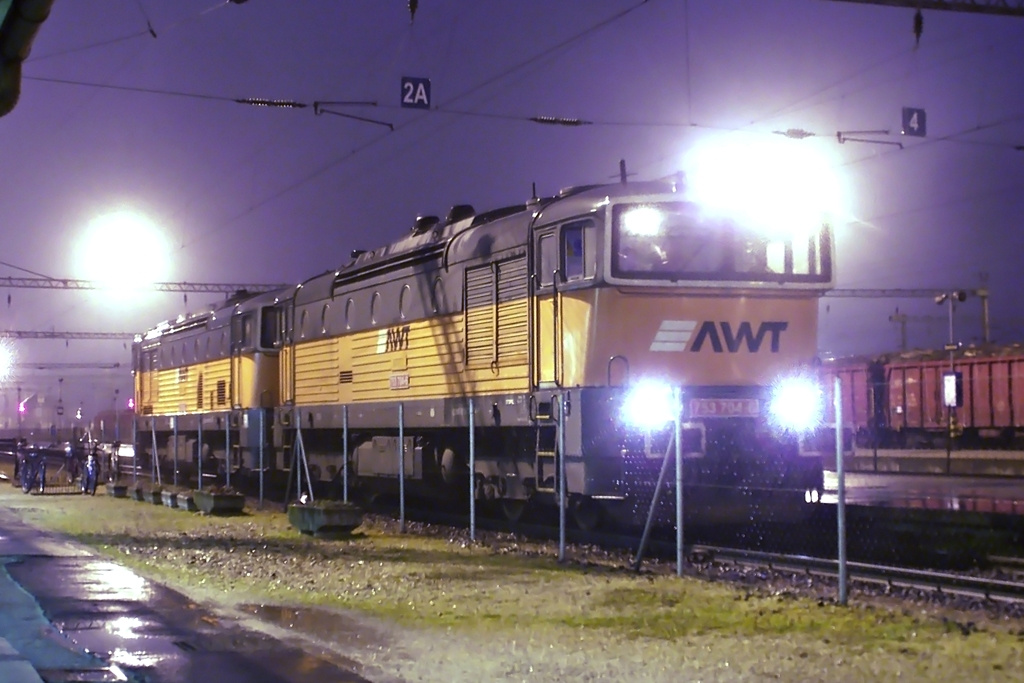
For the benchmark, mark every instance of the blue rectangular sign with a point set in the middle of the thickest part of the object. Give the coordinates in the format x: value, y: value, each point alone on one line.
x: 914, y: 122
x: 415, y: 92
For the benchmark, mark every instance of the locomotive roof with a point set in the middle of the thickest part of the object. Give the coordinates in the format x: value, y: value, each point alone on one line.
x: 217, y: 314
x: 465, y: 233
x: 461, y: 235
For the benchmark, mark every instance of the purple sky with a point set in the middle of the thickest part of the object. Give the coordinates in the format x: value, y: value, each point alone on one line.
x: 111, y: 117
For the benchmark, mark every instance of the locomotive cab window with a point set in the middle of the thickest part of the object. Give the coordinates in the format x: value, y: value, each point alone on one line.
x: 675, y: 241
x: 570, y: 250
x: 579, y: 252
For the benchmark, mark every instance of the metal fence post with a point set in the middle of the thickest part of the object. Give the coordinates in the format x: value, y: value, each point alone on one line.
x: 344, y: 446
x: 401, y: 468
x: 562, y: 502
x: 262, y: 435
x: 678, y: 398
x: 227, y: 450
x: 840, y: 492
x: 199, y: 449
x: 472, y: 472
x: 135, y: 458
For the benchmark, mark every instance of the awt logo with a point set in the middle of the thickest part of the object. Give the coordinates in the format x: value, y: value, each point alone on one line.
x: 676, y: 335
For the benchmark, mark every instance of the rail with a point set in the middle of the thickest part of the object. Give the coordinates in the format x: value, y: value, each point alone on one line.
x: 897, y: 577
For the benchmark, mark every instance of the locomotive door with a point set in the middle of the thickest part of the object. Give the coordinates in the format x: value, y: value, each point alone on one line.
x: 147, y: 388
x: 548, y: 325
x: 241, y: 334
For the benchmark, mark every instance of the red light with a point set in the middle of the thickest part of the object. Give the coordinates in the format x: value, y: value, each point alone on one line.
x: 21, y: 408
x: 131, y: 404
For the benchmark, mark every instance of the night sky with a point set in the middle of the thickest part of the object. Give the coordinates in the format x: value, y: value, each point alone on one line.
x: 113, y: 117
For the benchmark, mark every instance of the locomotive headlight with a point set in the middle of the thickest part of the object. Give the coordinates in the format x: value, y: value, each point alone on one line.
x: 796, y: 404
x: 650, y: 404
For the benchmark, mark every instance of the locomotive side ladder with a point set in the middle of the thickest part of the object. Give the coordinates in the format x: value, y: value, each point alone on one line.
x: 546, y: 448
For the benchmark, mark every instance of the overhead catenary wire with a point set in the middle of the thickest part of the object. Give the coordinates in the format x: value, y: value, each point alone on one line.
x: 149, y: 31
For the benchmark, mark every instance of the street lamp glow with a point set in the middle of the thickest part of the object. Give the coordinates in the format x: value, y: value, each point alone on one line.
x: 6, y: 358
x: 124, y: 250
x: 777, y: 186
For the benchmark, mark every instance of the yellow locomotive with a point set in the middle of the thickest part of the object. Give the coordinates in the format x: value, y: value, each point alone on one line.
x: 561, y: 313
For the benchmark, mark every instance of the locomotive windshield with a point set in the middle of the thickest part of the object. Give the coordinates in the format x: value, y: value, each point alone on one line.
x: 673, y: 241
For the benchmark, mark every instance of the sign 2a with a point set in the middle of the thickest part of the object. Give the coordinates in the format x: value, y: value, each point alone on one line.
x: 415, y: 92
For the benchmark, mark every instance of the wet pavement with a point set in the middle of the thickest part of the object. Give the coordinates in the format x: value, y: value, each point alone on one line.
x: 69, y: 615
x: 992, y: 495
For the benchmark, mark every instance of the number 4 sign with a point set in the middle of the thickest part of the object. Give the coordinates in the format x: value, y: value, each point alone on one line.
x: 416, y: 92
x: 914, y: 122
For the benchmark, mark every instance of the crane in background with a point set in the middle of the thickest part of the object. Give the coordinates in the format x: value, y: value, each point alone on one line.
x: 937, y: 295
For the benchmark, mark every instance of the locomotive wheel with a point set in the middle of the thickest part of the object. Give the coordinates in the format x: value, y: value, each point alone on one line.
x: 585, y: 513
x: 512, y: 509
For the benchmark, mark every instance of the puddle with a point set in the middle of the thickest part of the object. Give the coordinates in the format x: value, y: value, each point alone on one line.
x: 327, y: 626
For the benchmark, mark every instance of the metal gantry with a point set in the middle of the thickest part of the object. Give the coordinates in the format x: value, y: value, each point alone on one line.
x: 1011, y: 8
x: 180, y: 287
x: 938, y: 295
x: 31, y: 334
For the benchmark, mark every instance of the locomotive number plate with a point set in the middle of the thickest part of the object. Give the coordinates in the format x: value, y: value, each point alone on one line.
x: 725, y: 407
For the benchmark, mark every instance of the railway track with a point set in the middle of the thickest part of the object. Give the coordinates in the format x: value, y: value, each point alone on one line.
x: 947, y: 583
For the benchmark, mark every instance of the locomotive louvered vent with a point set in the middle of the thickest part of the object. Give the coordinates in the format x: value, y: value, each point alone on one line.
x: 345, y: 377
x: 222, y: 392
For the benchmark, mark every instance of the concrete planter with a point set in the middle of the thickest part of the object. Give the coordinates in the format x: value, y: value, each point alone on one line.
x: 185, y: 501
x: 326, y: 520
x: 219, y: 503
x: 117, y: 490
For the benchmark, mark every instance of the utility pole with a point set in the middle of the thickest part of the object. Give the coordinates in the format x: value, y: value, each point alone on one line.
x: 901, y: 318
x: 950, y: 400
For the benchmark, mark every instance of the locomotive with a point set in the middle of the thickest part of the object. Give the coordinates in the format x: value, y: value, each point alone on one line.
x: 540, y: 325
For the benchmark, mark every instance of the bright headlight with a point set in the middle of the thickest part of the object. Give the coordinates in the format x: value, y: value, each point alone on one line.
x: 650, y: 404
x: 796, y: 404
